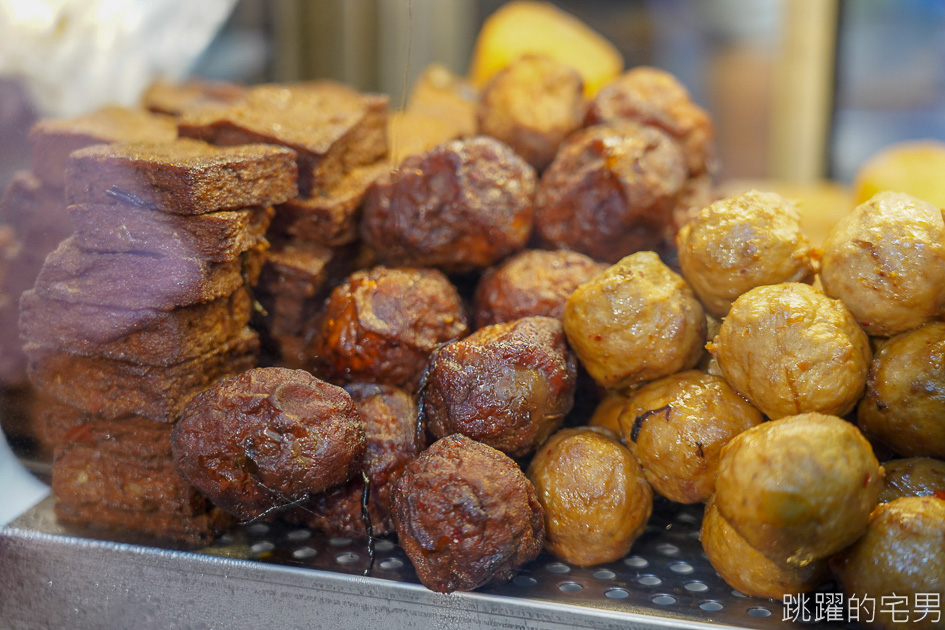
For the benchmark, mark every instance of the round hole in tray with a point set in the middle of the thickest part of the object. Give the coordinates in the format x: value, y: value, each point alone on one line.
x: 616, y: 593
x: 257, y: 529
x: 348, y: 557
x: 687, y: 517
x: 738, y: 594
x: 262, y: 547
x: 711, y: 605
x: 759, y: 611
x: 570, y: 587
x: 604, y: 574
x: 339, y: 541
x: 391, y: 564
x: 304, y: 552
x: 224, y: 541
x: 696, y: 587
x: 649, y: 580
x: 668, y: 549
x: 558, y: 567
x: 299, y: 535
x: 383, y: 545
x: 663, y: 599
x: 682, y: 568
x: 636, y: 562
x: 524, y: 581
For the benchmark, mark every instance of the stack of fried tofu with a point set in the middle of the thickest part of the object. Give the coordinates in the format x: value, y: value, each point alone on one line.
x: 34, y: 219
x: 144, y: 306
x: 340, y: 136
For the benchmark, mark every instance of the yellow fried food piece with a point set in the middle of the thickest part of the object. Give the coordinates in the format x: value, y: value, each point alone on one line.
x: 914, y: 168
x: 524, y: 27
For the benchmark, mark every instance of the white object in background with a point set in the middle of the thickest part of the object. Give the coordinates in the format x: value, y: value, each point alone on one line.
x: 19, y: 490
x: 77, y: 55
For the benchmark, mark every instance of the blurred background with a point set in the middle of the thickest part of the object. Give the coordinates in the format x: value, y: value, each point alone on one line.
x: 800, y: 90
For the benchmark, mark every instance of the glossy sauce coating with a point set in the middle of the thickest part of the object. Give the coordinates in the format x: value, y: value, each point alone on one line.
x: 913, y: 477
x: 465, y: 514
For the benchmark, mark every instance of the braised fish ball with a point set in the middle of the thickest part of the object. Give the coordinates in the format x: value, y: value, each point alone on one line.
x: 595, y: 498
x: 913, y: 477
x: 904, y: 406
x: 635, y: 322
x: 676, y: 427
x: 886, y: 261
x: 790, y: 349
x: 466, y: 515
x: 742, y: 242
x: 800, y: 488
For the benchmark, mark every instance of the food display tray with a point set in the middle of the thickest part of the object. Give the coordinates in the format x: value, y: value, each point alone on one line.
x: 282, y: 576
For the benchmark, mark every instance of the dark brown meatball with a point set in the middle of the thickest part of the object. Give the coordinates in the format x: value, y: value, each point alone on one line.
x: 381, y: 324
x: 460, y: 206
x: 390, y: 427
x: 533, y: 104
x: 533, y: 282
x: 266, y: 438
x: 507, y: 385
x: 653, y: 97
x: 610, y: 191
x: 466, y: 514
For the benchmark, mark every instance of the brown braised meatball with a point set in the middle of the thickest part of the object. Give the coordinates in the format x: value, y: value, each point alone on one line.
x: 653, y: 97
x: 508, y: 385
x: 532, y: 282
x: 635, y: 322
x: 790, y: 349
x: 902, y: 554
x: 886, y: 261
x: 390, y: 428
x: 610, y: 191
x: 676, y: 427
x: 266, y: 438
x: 466, y: 515
x: 606, y: 414
x: 904, y: 406
x: 742, y: 242
x: 595, y: 498
x: 800, y: 488
x: 461, y: 206
x: 746, y: 569
x: 533, y: 104
x: 913, y: 477
x: 381, y: 324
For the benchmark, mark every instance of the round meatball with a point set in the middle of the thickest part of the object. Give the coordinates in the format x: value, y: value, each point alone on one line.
x: 460, y: 206
x: 606, y: 414
x: 746, y: 569
x: 380, y: 325
x: 654, y: 97
x: 266, y: 438
x: 507, y: 385
x: 635, y: 322
x: 790, y: 349
x: 610, y: 191
x: 595, y: 498
x: 532, y: 282
x: 800, y: 488
x: 902, y: 553
x: 913, y: 477
x: 886, y: 261
x: 676, y: 427
x: 532, y: 105
x: 393, y: 440
x: 466, y: 514
x: 904, y: 406
x: 742, y: 242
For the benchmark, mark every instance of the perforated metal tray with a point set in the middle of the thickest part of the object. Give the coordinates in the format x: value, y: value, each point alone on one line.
x: 262, y: 576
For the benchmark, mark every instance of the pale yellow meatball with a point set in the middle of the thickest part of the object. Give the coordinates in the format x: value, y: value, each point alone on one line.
x: 746, y: 569
x: 607, y: 412
x: 913, y: 477
x: 635, y: 322
x: 790, y: 349
x: 798, y: 489
x: 886, y: 261
x: 902, y: 554
x: 904, y: 406
x: 676, y: 427
x: 595, y: 497
x: 742, y: 242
